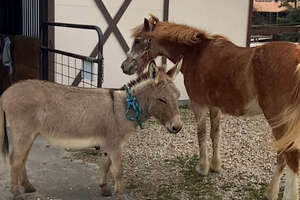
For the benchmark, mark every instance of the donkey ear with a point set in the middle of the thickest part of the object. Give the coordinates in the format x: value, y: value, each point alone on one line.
x: 146, y: 24
x: 153, y: 70
x: 175, y: 70
x: 152, y: 63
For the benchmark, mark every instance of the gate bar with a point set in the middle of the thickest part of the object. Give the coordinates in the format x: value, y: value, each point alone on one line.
x: 45, y: 48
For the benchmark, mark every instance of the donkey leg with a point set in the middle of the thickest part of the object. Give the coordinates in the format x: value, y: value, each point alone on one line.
x: 215, y: 133
x: 200, y: 113
x: 22, y: 144
x: 15, y: 170
x: 105, y: 164
x: 23, y: 176
x: 273, y: 188
x: 291, y: 188
x: 28, y: 187
x: 116, y: 170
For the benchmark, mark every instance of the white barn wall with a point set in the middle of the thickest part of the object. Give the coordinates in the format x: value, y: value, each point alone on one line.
x: 228, y: 18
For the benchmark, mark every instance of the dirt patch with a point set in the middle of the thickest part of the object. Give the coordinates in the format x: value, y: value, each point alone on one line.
x: 159, y: 165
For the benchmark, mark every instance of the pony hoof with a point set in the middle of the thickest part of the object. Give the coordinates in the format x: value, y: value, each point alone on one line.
x: 202, y: 169
x: 30, y: 189
x: 271, y: 193
x: 105, y: 191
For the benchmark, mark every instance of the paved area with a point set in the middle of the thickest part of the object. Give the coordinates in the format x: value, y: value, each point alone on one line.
x: 54, y: 176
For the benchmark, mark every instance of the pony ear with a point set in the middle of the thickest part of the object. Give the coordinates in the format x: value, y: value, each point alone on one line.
x: 153, y: 20
x: 149, y: 25
x: 153, y: 70
x: 146, y: 24
x: 175, y: 70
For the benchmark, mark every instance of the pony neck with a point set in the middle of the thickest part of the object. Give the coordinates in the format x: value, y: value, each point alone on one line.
x: 173, y: 51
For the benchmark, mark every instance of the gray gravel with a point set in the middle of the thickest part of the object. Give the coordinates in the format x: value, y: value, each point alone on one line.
x: 247, y: 158
x: 245, y: 149
x: 247, y: 161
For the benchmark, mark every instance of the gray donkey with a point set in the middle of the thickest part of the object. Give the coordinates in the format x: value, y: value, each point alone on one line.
x: 73, y: 117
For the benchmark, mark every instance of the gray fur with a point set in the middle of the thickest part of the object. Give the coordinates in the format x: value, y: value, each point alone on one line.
x: 78, y: 118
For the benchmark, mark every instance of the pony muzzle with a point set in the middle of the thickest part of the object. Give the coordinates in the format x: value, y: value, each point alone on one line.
x: 129, y: 66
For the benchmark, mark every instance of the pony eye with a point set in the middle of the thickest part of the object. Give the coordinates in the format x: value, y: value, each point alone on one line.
x: 163, y: 101
x: 137, y: 41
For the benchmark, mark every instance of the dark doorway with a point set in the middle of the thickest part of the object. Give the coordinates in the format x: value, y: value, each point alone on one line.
x: 11, y: 17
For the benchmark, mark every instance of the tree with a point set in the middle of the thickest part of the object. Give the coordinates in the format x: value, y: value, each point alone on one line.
x: 293, y: 17
x: 286, y: 3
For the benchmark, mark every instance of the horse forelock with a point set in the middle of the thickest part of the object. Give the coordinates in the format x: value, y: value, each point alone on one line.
x: 136, y: 31
x: 178, y: 33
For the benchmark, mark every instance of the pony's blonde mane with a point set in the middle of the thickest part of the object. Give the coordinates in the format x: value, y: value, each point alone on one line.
x: 173, y: 32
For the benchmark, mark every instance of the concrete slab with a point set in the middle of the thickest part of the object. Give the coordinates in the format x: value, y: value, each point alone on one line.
x: 54, y: 176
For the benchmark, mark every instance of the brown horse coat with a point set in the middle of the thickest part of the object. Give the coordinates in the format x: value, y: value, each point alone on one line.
x: 220, y: 76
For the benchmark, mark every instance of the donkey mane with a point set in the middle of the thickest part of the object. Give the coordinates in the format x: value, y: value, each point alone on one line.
x: 143, y: 77
x: 179, y: 33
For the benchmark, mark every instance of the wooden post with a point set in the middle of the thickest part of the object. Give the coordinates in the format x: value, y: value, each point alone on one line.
x: 165, y: 18
x: 249, y: 31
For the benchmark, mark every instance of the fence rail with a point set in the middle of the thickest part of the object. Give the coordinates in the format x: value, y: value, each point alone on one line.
x: 68, y: 67
x: 269, y: 30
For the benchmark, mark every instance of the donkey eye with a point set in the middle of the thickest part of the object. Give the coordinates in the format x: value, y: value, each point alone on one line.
x: 163, y: 101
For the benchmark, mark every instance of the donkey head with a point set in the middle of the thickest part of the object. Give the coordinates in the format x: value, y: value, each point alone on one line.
x: 143, y: 49
x: 162, y: 100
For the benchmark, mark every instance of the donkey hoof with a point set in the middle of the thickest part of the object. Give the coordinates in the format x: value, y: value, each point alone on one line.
x: 123, y: 197
x: 18, y: 198
x: 106, y: 191
x: 202, y: 169
x: 29, y: 189
x: 215, y: 166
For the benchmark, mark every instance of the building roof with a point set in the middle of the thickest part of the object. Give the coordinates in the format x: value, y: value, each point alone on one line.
x: 268, y: 6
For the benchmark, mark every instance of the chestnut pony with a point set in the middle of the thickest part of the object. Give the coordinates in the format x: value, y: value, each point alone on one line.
x: 222, y: 77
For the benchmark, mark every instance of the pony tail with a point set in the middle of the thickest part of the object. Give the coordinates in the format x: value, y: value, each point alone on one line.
x: 290, y: 120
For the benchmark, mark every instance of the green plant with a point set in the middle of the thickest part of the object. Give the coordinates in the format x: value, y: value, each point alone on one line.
x: 192, y: 186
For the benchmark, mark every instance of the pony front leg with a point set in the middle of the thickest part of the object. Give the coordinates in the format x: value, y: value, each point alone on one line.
x: 200, y: 114
x: 291, y: 185
x: 273, y: 188
x: 104, y: 166
x: 215, y: 133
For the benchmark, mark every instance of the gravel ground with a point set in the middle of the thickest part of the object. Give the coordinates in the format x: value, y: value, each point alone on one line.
x: 159, y: 165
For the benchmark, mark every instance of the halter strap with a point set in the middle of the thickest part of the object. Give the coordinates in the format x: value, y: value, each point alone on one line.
x: 133, y: 104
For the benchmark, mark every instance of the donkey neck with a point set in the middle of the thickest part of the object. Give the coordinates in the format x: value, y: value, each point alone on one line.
x: 141, y: 92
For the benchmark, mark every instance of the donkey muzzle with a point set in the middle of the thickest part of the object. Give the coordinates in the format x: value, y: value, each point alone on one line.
x: 174, y: 129
x: 175, y: 125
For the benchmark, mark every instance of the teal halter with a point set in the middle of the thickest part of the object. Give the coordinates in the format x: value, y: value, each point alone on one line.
x: 133, y: 104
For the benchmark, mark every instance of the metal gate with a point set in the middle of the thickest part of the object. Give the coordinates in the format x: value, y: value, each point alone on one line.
x: 69, y: 68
